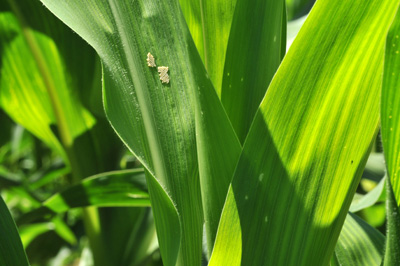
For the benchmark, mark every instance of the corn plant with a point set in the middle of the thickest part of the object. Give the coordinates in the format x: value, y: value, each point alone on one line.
x: 247, y: 155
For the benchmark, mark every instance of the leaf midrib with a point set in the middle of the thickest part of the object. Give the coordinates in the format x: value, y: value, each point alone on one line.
x: 158, y: 160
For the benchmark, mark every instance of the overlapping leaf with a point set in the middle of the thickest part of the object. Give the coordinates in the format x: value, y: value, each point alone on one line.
x: 155, y: 120
x: 257, y: 43
x: 359, y: 243
x: 310, y: 139
x: 119, y: 189
x: 11, y: 249
x: 209, y: 23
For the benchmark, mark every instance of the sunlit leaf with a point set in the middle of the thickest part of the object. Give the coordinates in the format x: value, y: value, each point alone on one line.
x: 369, y: 199
x: 310, y: 140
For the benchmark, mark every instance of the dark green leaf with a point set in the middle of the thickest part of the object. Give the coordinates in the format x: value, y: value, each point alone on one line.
x: 11, y: 250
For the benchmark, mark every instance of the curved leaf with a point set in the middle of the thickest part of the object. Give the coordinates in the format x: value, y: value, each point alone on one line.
x: 36, y: 75
x: 309, y: 141
x: 11, y: 249
x: 369, y: 199
x: 112, y: 189
x: 359, y: 243
x: 29, y: 232
x: 155, y: 120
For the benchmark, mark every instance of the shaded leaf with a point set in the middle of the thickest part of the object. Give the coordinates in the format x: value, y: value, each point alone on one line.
x: 11, y: 249
x: 209, y: 23
x: 156, y: 121
x: 119, y: 188
x: 359, y: 243
x: 255, y: 48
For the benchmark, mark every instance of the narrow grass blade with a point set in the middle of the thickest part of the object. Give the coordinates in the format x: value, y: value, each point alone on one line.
x: 390, y: 114
x: 29, y: 232
x: 11, y: 249
x: 255, y: 48
x: 310, y: 140
x: 209, y: 22
x: 113, y: 189
x: 359, y: 243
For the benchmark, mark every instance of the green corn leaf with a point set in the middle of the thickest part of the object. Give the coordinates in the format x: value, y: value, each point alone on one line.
x: 155, y: 120
x: 310, y: 139
x: 368, y: 199
x: 37, y: 79
x: 359, y: 243
x: 125, y: 188
x: 390, y: 117
x: 217, y: 144
x: 209, y: 22
x: 11, y: 249
x: 218, y: 151
x: 256, y: 45
x: 229, y: 236
x: 29, y: 232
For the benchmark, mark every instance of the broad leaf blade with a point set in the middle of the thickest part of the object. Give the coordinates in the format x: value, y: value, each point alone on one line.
x: 255, y: 48
x: 310, y: 140
x: 11, y: 249
x: 155, y: 120
x: 359, y: 243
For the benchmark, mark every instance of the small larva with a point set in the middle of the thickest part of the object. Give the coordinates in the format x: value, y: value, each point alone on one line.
x: 150, y: 60
x: 163, y: 74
